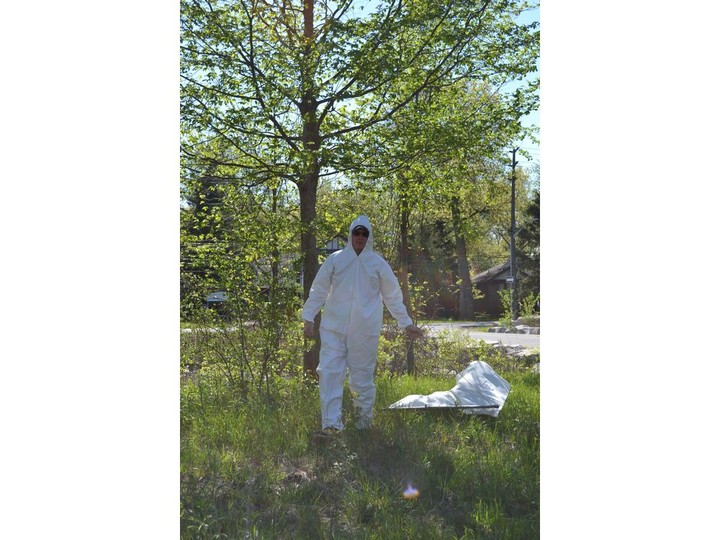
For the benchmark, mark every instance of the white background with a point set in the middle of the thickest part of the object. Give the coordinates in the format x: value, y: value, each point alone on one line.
x: 90, y: 348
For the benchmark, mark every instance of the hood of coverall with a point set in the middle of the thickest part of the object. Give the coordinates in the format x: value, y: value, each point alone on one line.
x: 365, y: 222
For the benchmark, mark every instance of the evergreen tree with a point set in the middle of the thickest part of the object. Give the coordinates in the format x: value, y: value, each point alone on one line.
x: 528, y: 256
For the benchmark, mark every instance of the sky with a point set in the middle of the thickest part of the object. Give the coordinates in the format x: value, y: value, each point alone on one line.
x: 528, y: 145
x: 90, y: 268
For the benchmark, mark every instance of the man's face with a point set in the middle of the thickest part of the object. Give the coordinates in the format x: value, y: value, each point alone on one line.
x: 359, y: 239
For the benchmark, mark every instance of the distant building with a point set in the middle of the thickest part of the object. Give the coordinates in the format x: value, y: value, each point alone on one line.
x: 336, y: 243
x: 489, y: 283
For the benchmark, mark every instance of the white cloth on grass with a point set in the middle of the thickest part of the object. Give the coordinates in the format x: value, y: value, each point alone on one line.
x: 478, y: 390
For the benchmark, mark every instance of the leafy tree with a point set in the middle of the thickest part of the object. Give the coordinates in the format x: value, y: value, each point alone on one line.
x: 234, y: 229
x: 440, y: 149
x: 288, y: 85
x: 200, y: 232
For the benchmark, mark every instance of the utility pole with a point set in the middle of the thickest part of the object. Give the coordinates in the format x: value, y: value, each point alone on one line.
x: 513, y: 266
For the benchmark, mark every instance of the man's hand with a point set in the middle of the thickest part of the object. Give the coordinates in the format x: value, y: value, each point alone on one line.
x: 413, y: 331
x: 309, y: 329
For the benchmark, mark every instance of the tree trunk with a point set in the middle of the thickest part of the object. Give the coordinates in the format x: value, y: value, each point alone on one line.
x: 403, y: 275
x: 274, y: 278
x: 275, y: 254
x: 307, y: 187
x: 466, y: 307
x: 308, y: 246
x: 404, y: 255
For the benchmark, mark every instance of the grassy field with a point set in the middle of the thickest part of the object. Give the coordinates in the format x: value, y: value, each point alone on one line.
x: 251, y: 467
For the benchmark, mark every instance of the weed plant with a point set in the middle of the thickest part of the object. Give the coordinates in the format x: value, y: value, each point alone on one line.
x: 252, y: 466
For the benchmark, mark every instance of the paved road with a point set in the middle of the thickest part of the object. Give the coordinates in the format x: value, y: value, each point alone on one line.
x: 526, y: 340
x: 529, y: 341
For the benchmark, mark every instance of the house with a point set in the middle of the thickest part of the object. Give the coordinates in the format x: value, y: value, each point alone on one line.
x: 336, y: 243
x: 489, y: 283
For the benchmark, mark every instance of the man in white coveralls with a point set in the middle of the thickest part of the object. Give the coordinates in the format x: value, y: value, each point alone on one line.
x: 352, y: 284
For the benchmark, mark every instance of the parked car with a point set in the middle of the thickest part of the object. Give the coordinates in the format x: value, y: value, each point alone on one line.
x: 217, y: 302
x: 215, y: 298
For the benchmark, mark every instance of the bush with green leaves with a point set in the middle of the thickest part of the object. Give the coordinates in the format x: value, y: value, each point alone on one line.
x: 528, y: 308
x: 448, y: 352
x: 239, y: 238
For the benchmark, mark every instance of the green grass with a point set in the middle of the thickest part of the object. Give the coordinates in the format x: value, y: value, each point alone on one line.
x: 250, y: 467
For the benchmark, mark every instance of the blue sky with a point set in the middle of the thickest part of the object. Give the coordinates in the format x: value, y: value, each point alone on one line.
x: 533, y: 119
x: 527, y: 145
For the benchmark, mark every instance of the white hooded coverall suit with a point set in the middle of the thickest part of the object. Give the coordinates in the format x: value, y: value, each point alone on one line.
x: 352, y: 288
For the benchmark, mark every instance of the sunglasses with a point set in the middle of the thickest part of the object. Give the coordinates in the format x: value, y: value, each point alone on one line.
x: 361, y: 233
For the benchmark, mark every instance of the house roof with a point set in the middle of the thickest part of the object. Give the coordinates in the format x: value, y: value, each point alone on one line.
x: 492, y: 273
x: 334, y: 243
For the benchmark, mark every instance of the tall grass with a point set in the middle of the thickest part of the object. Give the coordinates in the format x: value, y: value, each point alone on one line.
x: 251, y: 467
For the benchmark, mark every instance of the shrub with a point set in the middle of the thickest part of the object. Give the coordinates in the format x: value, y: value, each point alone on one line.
x: 449, y: 352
